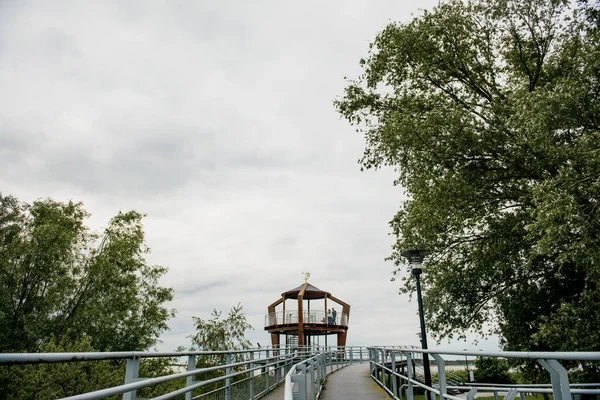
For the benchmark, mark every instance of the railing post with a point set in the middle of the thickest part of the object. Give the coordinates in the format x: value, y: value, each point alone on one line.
x: 377, y: 359
x: 511, y: 395
x: 251, y: 367
x: 132, y: 371
x: 559, y: 378
x: 473, y: 392
x: 228, y: 379
x: 523, y: 396
x: 283, y: 363
x: 409, y: 375
x: 267, y: 372
x: 330, y: 361
x: 348, y: 356
x: 383, y: 359
x: 441, y: 374
x: 277, y: 367
x: 300, y: 379
x: 318, y: 360
x: 360, y: 351
x: 311, y: 365
x: 393, y: 376
x: 191, y: 365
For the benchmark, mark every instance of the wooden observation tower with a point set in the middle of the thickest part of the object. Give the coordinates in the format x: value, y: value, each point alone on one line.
x: 307, y: 315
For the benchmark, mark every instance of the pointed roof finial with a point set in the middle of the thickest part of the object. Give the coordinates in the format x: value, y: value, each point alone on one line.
x: 306, y: 276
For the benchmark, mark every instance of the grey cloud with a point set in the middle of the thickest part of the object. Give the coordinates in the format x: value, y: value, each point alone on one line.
x: 153, y: 162
x: 217, y: 120
x: 17, y: 145
x: 198, y: 288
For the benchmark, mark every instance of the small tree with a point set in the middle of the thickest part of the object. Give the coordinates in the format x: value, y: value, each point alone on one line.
x: 216, y: 334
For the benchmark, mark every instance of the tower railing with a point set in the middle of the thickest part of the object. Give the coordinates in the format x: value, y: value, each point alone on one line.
x: 317, y: 317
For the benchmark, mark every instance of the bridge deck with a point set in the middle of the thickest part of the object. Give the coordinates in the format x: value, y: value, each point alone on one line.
x: 351, y: 382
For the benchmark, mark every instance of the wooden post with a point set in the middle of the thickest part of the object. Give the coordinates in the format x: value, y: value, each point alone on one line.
x: 326, y: 316
x: 300, y: 322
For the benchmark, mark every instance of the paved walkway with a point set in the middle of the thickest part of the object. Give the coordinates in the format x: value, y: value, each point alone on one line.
x: 352, y: 382
x: 276, y: 394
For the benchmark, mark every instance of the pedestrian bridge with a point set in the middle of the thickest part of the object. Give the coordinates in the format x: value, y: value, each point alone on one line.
x: 294, y: 373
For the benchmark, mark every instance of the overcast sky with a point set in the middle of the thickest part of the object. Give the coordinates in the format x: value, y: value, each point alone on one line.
x: 215, y: 119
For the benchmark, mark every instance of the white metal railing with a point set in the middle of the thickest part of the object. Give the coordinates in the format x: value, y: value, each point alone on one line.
x: 267, y: 364
x: 304, y: 380
x: 303, y: 377
x: 303, y: 368
x: 308, y: 317
x: 394, y: 370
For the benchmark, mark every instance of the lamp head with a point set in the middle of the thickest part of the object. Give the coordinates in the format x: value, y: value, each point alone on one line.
x: 415, y: 256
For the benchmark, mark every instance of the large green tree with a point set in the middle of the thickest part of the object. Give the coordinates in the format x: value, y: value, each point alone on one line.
x: 58, y: 279
x: 490, y: 113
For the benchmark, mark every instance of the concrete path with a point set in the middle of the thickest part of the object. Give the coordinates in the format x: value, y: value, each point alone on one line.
x: 276, y: 394
x: 352, y: 382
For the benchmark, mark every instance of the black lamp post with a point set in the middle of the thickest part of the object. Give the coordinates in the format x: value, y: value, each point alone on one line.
x: 415, y: 258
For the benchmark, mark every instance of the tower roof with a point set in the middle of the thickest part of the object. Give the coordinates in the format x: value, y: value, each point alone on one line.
x: 310, y: 292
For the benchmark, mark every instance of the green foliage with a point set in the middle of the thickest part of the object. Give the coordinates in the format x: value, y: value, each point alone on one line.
x: 58, y: 279
x: 459, y: 375
x: 492, y: 370
x: 52, y: 381
x: 155, y: 367
x: 489, y: 111
x: 65, y: 289
x: 217, y: 334
x: 528, y: 371
x: 587, y: 372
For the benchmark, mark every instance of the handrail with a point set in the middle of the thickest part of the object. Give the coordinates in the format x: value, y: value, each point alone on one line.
x: 319, y: 317
x: 38, y: 358
x: 289, y: 383
x: 278, y: 359
x: 339, y: 357
x: 385, y: 360
x: 565, y: 355
x: 294, y: 365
